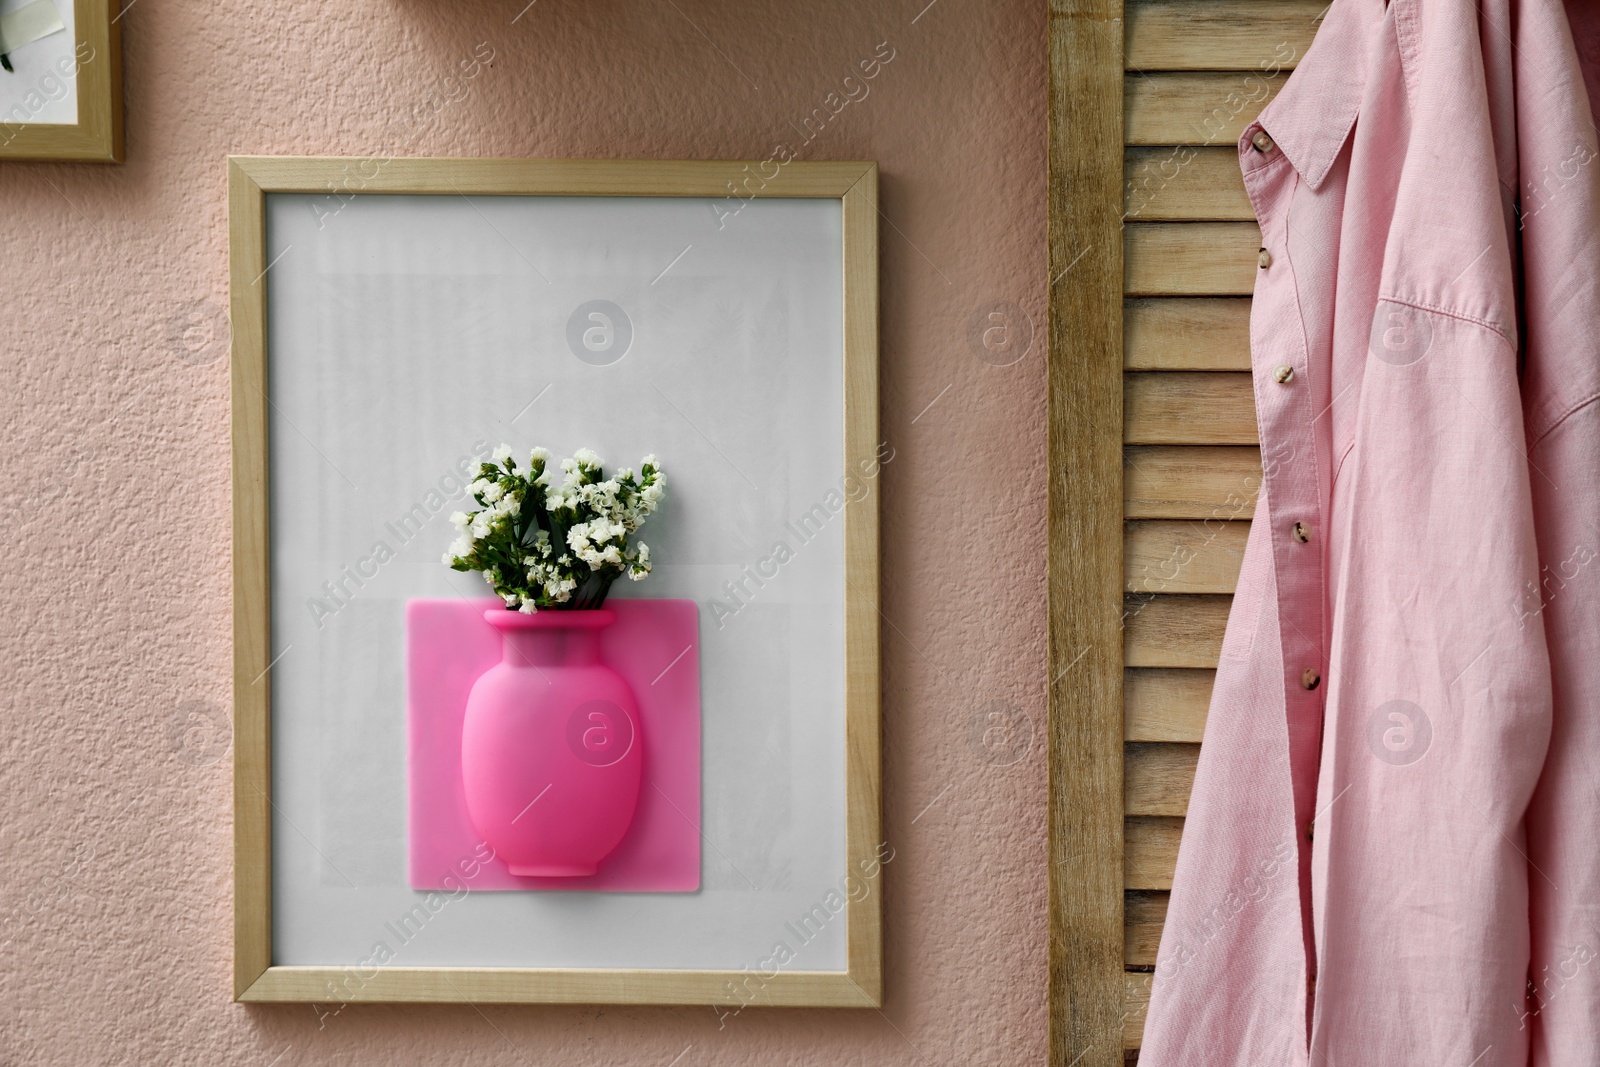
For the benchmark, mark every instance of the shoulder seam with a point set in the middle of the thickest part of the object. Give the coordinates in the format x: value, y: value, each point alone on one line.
x: 1556, y: 423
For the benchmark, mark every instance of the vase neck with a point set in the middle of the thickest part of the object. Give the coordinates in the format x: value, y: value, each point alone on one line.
x: 550, y: 648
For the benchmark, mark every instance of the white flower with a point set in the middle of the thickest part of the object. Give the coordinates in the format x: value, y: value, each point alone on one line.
x: 493, y: 491
x: 478, y: 486
x: 460, y: 520
x: 449, y: 559
x: 510, y: 599
x: 586, y: 458
x: 527, y: 607
x: 501, y: 454
x: 537, y: 456
x: 649, y: 461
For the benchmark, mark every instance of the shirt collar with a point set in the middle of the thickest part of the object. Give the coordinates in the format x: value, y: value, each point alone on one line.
x: 1312, y: 116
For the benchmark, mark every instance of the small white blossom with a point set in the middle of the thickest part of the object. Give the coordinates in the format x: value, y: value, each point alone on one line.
x: 597, y: 516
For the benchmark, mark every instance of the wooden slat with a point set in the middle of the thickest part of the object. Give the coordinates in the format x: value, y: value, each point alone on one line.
x: 1158, y: 777
x: 1144, y: 913
x: 1084, y: 534
x: 1184, y: 183
x: 1220, y: 34
x: 1190, y: 258
x: 1179, y: 408
x: 1166, y: 703
x: 1186, y: 333
x: 1196, y: 109
x: 1135, y: 1003
x: 1150, y: 851
x: 1183, y: 556
x: 1188, y: 482
x: 1174, y: 631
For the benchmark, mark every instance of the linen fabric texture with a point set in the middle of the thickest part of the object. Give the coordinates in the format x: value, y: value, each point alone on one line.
x: 1392, y: 850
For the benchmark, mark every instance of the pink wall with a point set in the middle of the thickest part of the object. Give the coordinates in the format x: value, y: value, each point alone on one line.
x: 115, y: 895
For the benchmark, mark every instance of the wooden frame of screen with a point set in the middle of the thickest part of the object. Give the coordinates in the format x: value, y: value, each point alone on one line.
x: 1085, y: 533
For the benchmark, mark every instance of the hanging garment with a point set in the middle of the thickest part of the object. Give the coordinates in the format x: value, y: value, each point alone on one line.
x: 1392, y: 851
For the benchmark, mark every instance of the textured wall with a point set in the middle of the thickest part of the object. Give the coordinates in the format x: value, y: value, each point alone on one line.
x: 115, y: 905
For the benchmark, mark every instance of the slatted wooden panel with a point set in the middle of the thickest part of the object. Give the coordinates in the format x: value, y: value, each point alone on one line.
x: 1198, y: 72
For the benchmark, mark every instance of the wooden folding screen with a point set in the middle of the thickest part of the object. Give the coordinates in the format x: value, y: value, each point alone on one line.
x: 1154, y: 464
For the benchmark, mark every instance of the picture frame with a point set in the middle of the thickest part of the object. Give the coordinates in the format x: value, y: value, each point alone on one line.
x: 29, y: 129
x: 252, y: 183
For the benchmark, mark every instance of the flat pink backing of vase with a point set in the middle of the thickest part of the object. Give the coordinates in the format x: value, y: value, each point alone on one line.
x: 655, y: 646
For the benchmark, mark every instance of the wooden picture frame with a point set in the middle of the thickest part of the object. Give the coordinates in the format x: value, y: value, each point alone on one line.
x: 251, y: 180
x: 97, y: 136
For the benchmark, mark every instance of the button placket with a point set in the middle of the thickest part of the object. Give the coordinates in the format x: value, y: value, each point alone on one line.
x: 1288, y: 443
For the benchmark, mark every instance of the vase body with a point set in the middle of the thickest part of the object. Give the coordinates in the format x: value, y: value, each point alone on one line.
x: 550, y: 746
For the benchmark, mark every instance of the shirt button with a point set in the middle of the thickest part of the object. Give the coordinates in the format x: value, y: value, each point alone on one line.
x: 1310, y: 679
x: 1301, y: 532
x: 1282, y: 373
x: 1262, y: 142
x: 1264, y: 259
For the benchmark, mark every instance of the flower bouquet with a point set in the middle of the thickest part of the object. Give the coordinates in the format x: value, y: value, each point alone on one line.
x: 540, y: 544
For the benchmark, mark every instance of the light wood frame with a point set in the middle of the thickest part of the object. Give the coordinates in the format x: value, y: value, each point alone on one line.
x: 250, y: 180
x: 1085, y: 533
x: 97, y: 135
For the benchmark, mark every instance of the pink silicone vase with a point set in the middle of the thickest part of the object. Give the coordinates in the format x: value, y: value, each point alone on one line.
x: 550, y: 746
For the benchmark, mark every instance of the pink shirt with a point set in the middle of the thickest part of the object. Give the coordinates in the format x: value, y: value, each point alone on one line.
x: 1412, y: 666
